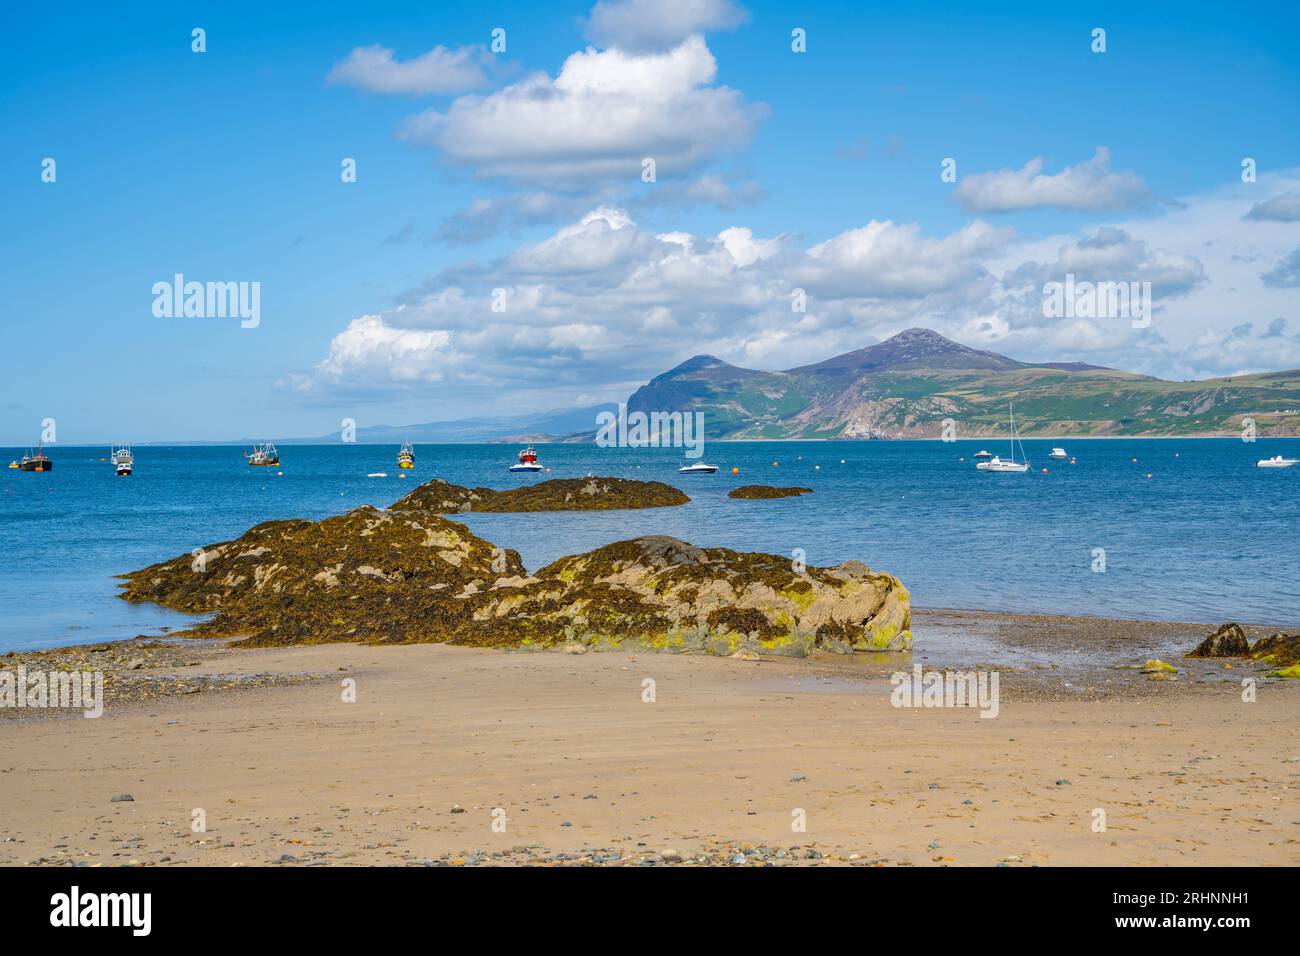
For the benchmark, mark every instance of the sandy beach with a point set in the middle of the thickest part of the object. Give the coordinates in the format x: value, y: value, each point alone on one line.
x: 721, y: 766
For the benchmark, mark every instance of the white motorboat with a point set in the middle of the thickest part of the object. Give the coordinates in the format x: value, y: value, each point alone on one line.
x: 1059, y: 454
x: 699, y: 468
x: 982, y: 455
x: 1277, y: 461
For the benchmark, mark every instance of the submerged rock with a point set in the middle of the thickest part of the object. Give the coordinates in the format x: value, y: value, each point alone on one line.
x: 766, y: 491
x: 558, y: 494
x: 1228, y: 641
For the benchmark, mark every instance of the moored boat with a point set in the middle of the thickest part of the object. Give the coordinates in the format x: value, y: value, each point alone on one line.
x: 982, y: 455
x: 37, y: 462
x: 1277, y: 461
x: 698, y: 468
x: 406, y: 457
x: 997, y: 465
x: 123, y: 460
x: 527, y: 461
x: 1059, y: 454
x: 263, y: 455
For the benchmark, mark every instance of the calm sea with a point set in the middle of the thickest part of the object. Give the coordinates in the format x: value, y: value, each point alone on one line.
x: 1208, y: 537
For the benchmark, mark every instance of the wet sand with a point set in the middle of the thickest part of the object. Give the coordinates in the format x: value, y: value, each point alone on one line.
x: 717, y: 767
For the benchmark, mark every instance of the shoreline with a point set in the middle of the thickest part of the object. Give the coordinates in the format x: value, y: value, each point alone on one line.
x: 712, y: 769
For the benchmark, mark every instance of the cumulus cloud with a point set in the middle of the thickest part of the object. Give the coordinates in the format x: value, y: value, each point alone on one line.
x: 371, y: 350
x: 1088, y: 185
x: 596, y: 121
x: 376, y: 70
x: 642, y: 25
x: 1283, y: 208
x: 602, y: 300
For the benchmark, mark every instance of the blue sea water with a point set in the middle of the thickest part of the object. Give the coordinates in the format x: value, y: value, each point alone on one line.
x: 1207, y: 538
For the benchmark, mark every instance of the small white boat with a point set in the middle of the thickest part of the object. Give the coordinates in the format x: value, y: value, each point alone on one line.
x: 996, y: 464
x: 979, y: 455
x: 377, y: 474
x: 1277, y: 461
x: 527, y: 461
x: 699, y: 468
x: 1059, y: 454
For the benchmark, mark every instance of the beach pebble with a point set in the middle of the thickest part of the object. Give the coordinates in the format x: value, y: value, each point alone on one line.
x: 122, y: 798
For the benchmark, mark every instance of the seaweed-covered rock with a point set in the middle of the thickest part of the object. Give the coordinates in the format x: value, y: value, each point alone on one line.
x: 1228, y: 641
x: 364, y: 575
x: 408, y: 576
x: 766, y: 491
x: 559, y: 494
x: 663, y: 592
x: 1281, y: 649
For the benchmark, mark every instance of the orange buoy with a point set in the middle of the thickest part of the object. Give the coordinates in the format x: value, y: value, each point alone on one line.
x: 735, y: 471
x: 1044, y: 471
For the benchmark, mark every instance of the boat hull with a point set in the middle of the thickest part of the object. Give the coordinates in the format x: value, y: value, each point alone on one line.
x: 525, y: 467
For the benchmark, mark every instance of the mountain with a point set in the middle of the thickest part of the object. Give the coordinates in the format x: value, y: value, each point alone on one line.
x: 907, y: 385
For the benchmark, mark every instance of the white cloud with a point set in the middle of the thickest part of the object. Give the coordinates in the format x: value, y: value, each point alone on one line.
x: 659, y: 24
x: 602, y: 303
x: 1088, y: 185
x: 376, y: 70
x: 370, y: 350
x: 596, y: 121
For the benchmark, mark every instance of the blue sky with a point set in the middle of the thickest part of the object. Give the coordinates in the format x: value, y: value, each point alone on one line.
x: 479, y: 171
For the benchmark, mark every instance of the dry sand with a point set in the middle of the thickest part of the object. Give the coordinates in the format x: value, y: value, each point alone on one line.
x: 565, y: 745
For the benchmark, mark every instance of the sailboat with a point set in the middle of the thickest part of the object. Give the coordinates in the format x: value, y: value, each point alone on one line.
x: 997, y: 464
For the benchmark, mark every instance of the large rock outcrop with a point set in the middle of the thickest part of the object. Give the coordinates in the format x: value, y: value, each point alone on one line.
x: 410, y: 576
x: 364, y: 575
x: 667, y: 594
